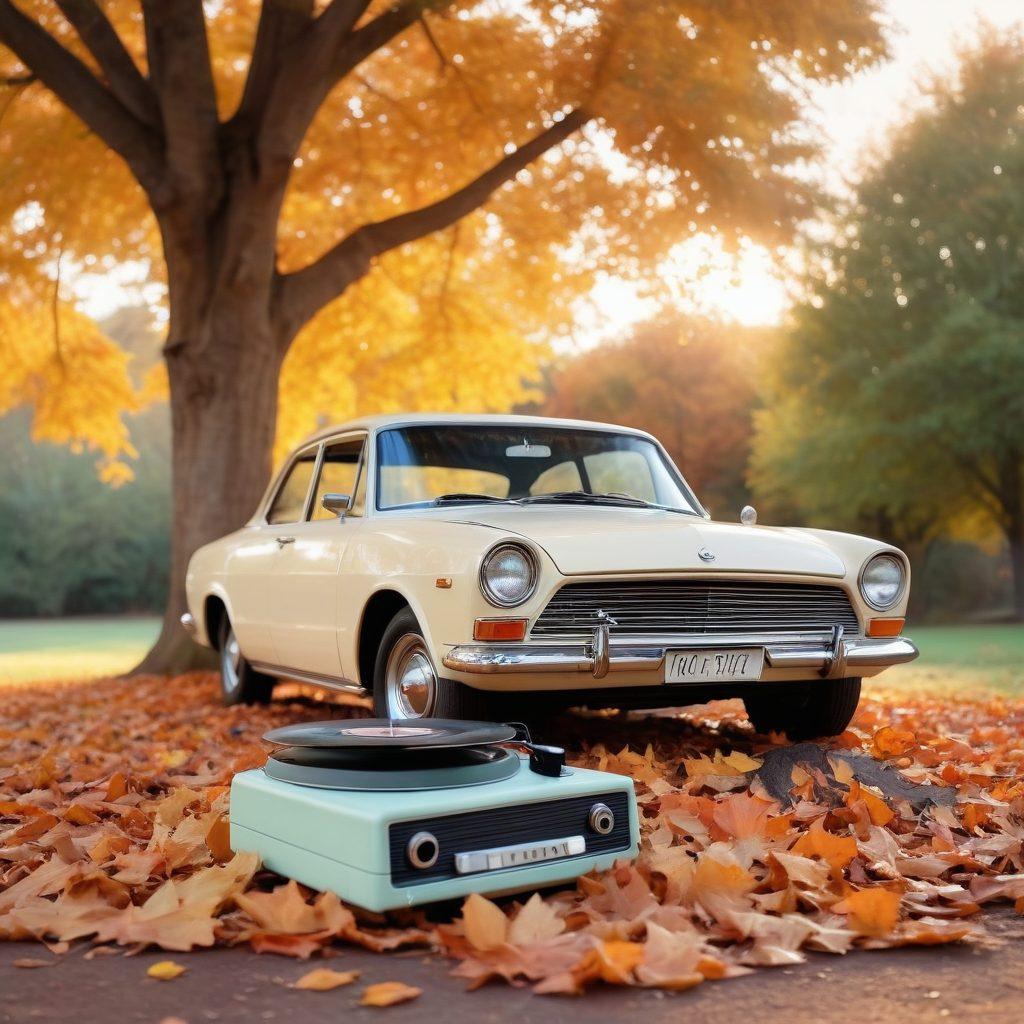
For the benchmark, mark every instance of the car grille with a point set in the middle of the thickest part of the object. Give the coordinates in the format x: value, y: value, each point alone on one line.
x: 657, y: 607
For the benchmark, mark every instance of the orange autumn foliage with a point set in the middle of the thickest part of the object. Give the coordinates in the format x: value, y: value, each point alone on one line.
x: 727, y: 879
x: 693, y: 123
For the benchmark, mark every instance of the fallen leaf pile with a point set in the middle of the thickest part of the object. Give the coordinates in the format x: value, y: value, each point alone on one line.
x: 113, y: 830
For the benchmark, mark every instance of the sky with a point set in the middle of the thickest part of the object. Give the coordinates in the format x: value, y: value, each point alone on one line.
x: 855, y: 118
x: 752, y: 288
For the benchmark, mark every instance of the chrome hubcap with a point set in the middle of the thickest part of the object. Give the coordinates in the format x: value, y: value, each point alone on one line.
x: 230, y: 662
x: 410, y: 679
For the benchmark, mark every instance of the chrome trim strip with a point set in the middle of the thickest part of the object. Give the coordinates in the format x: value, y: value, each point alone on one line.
x: 489, y: 659
x: 520, y: 855
x: 344, y: 685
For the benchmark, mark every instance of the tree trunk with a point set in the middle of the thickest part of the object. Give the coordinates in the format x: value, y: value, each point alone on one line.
x: 223, y: 355
x: 223, y: 396
x: 1016, y: 543
x: 1011, y: 497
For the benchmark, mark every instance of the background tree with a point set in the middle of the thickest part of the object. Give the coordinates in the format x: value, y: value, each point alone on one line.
x: 266, y: 158
x: 74, y: 544
x: 899, y: 395
x: 691, y: 383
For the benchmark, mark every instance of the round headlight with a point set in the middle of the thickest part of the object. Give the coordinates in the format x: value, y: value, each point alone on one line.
x: 508, y: 575
x: 881, y: 581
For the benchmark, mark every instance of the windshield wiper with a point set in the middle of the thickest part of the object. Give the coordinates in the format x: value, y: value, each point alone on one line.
x: 586, y: 498
x: 458, y: 496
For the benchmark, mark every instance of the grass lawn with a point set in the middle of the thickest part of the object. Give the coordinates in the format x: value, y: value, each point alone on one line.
x: 954, y: 659
x: 37, y: 649
x: 962, y: 660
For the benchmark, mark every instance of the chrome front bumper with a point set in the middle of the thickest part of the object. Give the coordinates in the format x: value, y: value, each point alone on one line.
x: 833, y: 658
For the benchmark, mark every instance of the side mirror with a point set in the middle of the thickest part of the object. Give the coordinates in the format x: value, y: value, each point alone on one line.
x: 339, y: 504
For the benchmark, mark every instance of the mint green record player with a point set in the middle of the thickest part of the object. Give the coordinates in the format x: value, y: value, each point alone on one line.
x: 392, y: 814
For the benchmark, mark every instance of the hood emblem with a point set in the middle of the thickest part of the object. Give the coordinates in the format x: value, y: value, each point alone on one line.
x: 706, y: 555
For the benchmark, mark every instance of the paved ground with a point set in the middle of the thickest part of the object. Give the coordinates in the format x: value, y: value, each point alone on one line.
x: 920, y: 985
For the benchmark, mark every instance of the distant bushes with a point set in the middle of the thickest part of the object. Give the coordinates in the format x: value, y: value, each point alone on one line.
x: 73, y: 545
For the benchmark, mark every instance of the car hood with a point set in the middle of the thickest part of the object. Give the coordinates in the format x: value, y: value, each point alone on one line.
x: 601, y: 539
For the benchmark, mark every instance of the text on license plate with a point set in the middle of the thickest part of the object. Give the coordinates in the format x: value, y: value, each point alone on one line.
x: 714, y: 666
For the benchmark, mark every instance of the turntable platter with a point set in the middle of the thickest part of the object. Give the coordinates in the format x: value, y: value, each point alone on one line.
x: 365, y: 733
x: 381, y: 770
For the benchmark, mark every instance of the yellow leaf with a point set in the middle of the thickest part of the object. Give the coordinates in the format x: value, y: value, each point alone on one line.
x: 387, y: 993
x: 617, y: 960
x: 842, y: 770
x: 323, y: 979
x: 742, y: 762
x: 718, y: 876
x: 486, y: 926
x: 165, y: 970
x: 816, y: 842
x: 878, y: 810
x: 871, y: 912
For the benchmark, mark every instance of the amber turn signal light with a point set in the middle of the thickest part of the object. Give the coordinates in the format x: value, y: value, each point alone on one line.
x: 885, y: 627
x: 499, y: 629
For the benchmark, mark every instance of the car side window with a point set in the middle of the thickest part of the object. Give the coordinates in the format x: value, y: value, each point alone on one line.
x: 289, y: 504
x: 339, y: 474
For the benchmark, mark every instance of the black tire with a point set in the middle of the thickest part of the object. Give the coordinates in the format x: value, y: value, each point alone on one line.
x: 449, y: 700
x: 805, y: 712
x: 240, y: 683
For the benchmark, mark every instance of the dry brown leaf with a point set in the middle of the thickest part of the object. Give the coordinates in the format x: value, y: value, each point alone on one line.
x: 389, y: 993
x: 484, y: 922
x: 535, y: 922
x: 725, y: 878
x: 323, y: 979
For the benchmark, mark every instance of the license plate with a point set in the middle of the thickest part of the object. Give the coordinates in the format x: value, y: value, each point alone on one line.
x: 518, y: 856
x: 714, y: 666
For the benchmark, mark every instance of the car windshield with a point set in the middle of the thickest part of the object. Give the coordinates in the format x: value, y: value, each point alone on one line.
x: 469, y: 464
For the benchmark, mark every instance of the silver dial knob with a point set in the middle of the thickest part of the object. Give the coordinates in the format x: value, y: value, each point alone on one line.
x: 422, y: 850
x: 601, y: 819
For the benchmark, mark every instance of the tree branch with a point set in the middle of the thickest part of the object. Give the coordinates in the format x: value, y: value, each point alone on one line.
x: 125, y: 80
x: 447, y: 65
x: 281, y: 23
x: 76, y: 86
x: 301, y: 294
x: 180, y: 71
x: 329, y: 49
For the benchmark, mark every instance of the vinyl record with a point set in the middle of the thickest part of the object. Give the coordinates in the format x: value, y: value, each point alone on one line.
x: 364, y: 733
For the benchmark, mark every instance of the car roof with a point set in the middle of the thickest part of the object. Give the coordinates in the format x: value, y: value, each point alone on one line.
x: 440, y: 419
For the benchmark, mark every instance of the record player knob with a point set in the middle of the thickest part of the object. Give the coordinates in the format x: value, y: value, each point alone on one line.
x: 601, y: 819
x: 422, y: 850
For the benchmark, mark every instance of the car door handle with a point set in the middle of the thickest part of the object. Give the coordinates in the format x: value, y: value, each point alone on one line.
x: 281, y: 541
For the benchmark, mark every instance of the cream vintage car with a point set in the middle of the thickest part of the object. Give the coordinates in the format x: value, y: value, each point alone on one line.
x: 472, y: 566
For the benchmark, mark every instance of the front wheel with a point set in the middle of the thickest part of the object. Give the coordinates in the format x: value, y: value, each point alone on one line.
x: 240, y: 683
x: 805, y: 711
x: 406, y: 684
